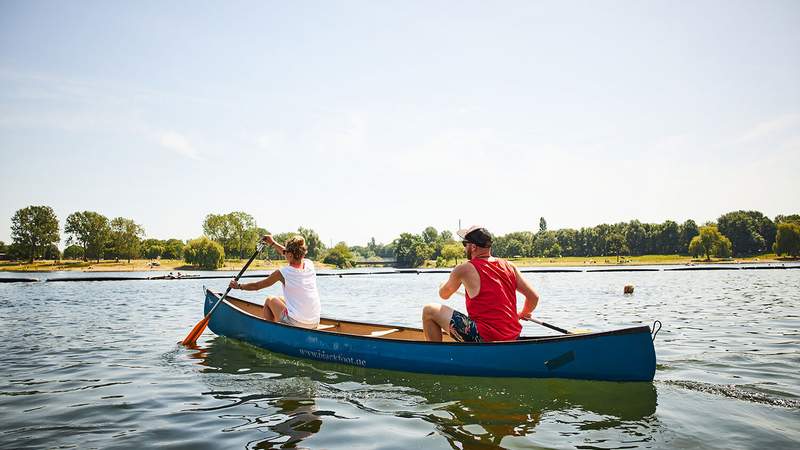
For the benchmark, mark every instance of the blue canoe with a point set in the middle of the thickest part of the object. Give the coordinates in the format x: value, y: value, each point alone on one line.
x: 620, y: 355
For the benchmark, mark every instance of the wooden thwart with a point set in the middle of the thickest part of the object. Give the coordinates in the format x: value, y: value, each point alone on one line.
x: 384, y: 332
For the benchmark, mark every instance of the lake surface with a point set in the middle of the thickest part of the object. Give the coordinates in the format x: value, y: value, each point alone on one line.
x: 96, y: 365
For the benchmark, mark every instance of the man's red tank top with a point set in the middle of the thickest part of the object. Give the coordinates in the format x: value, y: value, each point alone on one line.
x: 494, y: 309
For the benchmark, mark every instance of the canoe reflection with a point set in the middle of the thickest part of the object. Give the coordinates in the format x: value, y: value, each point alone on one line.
x: 467, y: 411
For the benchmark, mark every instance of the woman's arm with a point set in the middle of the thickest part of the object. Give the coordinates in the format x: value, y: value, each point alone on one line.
x: 271, y: 242
x: 273, y: 278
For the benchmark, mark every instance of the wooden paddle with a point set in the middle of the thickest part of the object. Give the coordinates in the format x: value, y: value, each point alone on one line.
x: 198, y: 329
x: 534, y: 320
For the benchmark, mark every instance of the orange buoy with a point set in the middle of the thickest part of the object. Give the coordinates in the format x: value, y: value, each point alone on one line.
x: 628, y: 289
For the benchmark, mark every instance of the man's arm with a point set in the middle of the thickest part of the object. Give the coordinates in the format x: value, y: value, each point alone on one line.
x: 531, y: 297
x: 449, y: 287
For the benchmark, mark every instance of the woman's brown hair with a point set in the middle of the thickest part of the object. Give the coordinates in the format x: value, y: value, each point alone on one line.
x: 296, y: 245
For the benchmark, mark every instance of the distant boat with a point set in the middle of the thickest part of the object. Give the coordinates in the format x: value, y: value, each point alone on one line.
x: 620, y: 355
x: 172, y: 277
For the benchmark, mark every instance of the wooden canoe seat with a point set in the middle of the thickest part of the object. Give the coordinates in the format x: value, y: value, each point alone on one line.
x: 325, y: 327
x: 383, y: 332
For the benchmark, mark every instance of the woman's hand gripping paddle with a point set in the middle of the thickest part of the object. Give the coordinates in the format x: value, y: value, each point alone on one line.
x: 198, y: 329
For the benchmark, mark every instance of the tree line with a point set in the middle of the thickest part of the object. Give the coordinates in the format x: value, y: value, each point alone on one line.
x: 91, y: 235
x: 35, y: 231
x: 36, y: 234
x: 737, y: 233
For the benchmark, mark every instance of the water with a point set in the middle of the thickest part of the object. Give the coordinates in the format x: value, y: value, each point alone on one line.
x: 96, y: 365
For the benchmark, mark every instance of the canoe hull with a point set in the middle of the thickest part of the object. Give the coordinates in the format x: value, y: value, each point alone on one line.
x: 623, y: 355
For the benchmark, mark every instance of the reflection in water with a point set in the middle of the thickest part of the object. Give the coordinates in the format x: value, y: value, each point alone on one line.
x: 467, y: 412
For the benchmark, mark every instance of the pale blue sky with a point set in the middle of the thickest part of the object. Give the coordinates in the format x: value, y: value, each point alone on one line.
x: 362, y: 119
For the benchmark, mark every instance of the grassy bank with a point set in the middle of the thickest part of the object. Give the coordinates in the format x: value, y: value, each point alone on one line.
x: 174, y: 265
x: 579, y: 261
x: 136, y: 265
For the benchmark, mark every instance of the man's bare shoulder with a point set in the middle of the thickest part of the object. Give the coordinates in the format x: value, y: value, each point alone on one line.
x: 465, y: 270
x: 462, y: 268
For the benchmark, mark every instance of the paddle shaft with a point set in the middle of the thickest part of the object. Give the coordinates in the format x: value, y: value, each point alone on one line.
x: 198, y: 329
x: 545, y: 324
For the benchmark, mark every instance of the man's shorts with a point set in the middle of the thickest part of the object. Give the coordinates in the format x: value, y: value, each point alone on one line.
x: 463, y: 329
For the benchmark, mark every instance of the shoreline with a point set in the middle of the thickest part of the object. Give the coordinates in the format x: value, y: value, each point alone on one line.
x: 235, y: 265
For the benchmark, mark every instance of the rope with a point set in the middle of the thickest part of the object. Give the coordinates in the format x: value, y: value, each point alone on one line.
x: 656, y: 330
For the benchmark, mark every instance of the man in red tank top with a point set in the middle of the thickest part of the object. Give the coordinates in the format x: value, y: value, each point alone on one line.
x: 491, y: 286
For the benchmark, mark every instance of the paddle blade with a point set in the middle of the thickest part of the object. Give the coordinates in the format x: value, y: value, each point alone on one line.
x: 198, y: 329
x: 580, y: 331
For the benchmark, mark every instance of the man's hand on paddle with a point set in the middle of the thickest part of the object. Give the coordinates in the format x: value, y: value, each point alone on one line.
x: 531, y: 297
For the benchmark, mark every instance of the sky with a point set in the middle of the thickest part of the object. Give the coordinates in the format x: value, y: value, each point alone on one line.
x: 369, y: 119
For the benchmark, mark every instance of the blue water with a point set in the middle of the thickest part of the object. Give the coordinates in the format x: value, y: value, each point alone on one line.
x: 96, y: 365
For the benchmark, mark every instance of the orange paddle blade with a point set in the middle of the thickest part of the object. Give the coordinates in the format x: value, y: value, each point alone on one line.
x: 198, y: 329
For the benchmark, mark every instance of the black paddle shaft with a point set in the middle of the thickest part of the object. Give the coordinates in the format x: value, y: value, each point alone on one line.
x: 552, y: 327
x: 259, y: 247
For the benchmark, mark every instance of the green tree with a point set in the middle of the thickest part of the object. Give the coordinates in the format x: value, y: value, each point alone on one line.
x: 151, y: 248
x: 73, y: 252
x: 16, y: 252
x: 430, y: 235
x: 742, y: 228
x: 340, y: 256
x: 3, y: 247
x: 635, y: 237
x: 126, y: 237
x: 710, y: 242
x: 243, y: 236
x: 517, y: 243
x: 89, y: 229
x: 688, y: 231
x: 587, y: 242
x: 790, y: 218
x: 669, y: 238
x: 542, y: 225
x: 33, y: 229
x: 453, y: 252
x: 218, y: 227
x: 205, y: 253
x: 765, y: 227
x: 787, y: 240
x: 543, y: 244
x: 617, y: 245
x: 411, y: 250
x: 374, y: 247
x: 360, y: 252
x: 173, y: 249
x: 568, y: 241
x: 51, y: 252
x: 313, y: 243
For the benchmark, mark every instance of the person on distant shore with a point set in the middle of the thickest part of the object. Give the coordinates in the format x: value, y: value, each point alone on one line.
x: 300, y: 304
x: 491, y: 285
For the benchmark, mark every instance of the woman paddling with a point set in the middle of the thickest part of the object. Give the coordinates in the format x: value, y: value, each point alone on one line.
x: 299, y: 305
